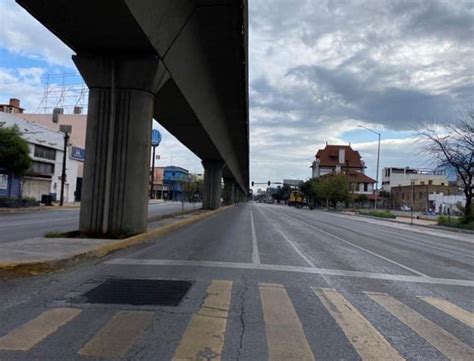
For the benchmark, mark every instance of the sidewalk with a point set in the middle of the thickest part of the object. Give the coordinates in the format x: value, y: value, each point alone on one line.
x: 419, y: 225
x: 39, y: 255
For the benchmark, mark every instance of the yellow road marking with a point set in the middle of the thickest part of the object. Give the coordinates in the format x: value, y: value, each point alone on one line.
x: 285, y: 336
x: 205, y: 334
x: 115, y: 338
x: 442, y: 340
x: 28, y: 335
x: 366, y: 340
x: 451, y: 309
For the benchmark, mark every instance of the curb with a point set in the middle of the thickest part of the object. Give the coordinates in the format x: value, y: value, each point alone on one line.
x: 33, y: 268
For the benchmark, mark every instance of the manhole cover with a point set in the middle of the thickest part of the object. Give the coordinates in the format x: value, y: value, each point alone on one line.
x: 139, y: 292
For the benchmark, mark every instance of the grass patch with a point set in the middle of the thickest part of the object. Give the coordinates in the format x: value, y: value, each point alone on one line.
x: 55, y: 235
x: 380, y: 214
x: 454, y: 222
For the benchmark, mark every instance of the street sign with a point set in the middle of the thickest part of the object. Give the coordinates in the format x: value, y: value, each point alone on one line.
x: 78, y: 153
x: 155, y: 137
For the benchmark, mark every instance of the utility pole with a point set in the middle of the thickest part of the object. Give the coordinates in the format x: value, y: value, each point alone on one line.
x: 66, y: 129
x: 155, y: 142
x: 378, y: 163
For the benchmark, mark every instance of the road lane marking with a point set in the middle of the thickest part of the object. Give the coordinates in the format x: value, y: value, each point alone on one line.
x: 296, y: 269
x: 255, y: 254
x: 115, y: 338
x: 290, y: 242
x: 439, y: 338
x: 365, y: 339
x: 285, y: 335
x: 28, y: 335
x: 362, y: 248
x: 205, y: 334
x: 451, y: 309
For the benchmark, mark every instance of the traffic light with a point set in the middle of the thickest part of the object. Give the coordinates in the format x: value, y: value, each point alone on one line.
x: 253, y: 183
x: 269, y: 183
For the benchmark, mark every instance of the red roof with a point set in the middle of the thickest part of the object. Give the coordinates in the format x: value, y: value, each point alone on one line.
x: 360, y: 177
x: 329, y: 156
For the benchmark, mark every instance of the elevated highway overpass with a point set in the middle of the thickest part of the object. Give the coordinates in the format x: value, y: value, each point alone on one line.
x: 182, y: 62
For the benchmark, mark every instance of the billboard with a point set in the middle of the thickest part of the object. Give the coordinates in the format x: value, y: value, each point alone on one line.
x: 78, y: 153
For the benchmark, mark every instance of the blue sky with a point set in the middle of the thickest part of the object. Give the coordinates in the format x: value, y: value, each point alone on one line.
x: 317, y: 69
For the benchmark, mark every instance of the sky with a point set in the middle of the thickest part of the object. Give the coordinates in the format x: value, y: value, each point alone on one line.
x: 317, y: 70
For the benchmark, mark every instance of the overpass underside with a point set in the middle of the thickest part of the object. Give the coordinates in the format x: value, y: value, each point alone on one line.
x: 182, y: 62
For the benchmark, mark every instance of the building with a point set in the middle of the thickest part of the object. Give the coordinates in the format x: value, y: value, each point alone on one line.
x: 174, y: 179
x: 444, y: 204
x: 159, y: 188
x: 46, y: 151
x: 13, y: 107
x: 335, y: 159
x: 394, y: 177
x: 418, y: 195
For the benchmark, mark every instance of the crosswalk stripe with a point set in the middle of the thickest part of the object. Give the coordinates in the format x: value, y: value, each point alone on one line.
x: 285, y: 335
x: 439, y: 338
x: 365, y: 339
x: 205, y: 334
x: 115, y: 338
x: 28, y: 335
x: 451, y: 309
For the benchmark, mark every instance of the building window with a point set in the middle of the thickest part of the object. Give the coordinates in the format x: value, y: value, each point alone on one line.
x: 442, y: 184
x: 45, y: 152
x: 366, y: 187
x: 421, y: 194
x: 422, y: 183
x: 42, y: 168
x: 430, y: 182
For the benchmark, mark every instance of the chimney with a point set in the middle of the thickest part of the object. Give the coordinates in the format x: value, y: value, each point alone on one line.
x: 342, y: 156
x: 77, y: 110
x: 15, y: 102
x: 56, y: 112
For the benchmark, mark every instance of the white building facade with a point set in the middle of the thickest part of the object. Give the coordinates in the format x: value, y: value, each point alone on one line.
x: 394, y: 177
x: 46, y: 151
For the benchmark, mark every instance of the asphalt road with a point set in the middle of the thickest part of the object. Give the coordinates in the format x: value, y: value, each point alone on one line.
x: 268, y: 282
x: 17, y: 226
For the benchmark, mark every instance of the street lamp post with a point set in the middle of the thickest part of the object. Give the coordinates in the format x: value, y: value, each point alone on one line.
x: 66, y: 129
x: 378, y: 163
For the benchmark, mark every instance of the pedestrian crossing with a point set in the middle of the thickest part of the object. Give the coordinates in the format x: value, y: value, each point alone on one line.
x: 207, y: 330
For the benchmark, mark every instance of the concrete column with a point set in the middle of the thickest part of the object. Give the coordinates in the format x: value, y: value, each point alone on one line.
x: 116, y: 170
x: 236, y: 194
x: 212, y: 187
x: 229, y: 186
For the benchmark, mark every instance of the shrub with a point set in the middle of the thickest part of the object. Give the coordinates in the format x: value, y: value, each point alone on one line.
x: 454, y: 222
x: 380, y: 214
x: 14, y: 202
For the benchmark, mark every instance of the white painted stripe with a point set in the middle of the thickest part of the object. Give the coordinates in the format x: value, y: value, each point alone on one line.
x: 286, y: 339
x: 290, y: 242
x: 451, y: 309
x: 361, y: 248
x: 255, y: 254
x: 439, y: 338
x: 297, y: 269
x: 366, y: 340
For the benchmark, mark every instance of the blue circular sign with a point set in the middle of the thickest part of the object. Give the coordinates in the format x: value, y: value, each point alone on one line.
x: 155, y: 137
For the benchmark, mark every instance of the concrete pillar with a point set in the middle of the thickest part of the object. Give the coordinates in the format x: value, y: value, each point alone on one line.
x: 116, y: 170
x: 229, y: 191
x: 212, y: 187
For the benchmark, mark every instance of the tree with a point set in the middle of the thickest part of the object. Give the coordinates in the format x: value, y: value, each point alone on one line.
x: 14, y: 151
x: 452, y: 148
x: 332, y: 188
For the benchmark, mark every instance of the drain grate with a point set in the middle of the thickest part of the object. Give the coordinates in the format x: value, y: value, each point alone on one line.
x: 138, y: 292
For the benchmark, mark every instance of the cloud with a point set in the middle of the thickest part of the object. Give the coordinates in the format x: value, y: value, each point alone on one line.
x: 319, y: 68
x: 21, y: 34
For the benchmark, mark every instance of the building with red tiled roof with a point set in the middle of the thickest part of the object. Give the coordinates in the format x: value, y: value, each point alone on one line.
x: 334, y: 159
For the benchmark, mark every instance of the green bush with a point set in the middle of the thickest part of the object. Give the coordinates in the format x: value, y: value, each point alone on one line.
x: 455, y: 222
x: 380, y: 214
x: 14, y: 202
